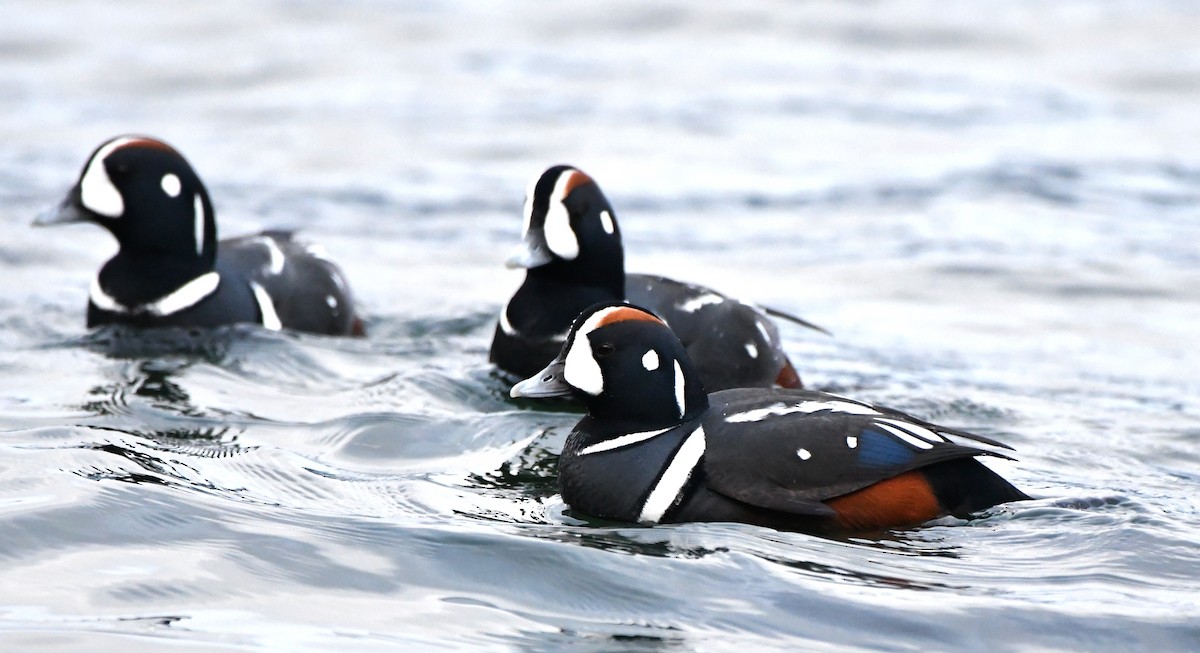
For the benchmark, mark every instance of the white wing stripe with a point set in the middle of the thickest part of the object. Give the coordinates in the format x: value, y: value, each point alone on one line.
x: 759, y: 414
x: 903, y: 435
x: 915, y: 429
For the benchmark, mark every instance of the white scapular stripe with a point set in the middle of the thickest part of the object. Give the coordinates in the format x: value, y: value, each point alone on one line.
x: 622, y: 441
x: 270, y: 319
x: 904, y: 435
x: 198, y: 216
x: 696, y: 303
x: 183, y: 297
x: 560, y: 237
x: 672, y: 482
x: 96, y: 191
x: 915, y: 429
x: 759, y: 414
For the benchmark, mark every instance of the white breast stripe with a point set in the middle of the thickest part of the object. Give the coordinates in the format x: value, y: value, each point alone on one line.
x: 505, y: 325
x: 183, y: 297
x: 907, y: 437
x: 270, y: 319
x: 674, y: 479
x: 759, y: 414
x: 622, y: 441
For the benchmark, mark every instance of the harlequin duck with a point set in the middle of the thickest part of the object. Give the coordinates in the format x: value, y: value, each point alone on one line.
x: 171, y: 271
x: 572, y: 252
x: 655, y: 447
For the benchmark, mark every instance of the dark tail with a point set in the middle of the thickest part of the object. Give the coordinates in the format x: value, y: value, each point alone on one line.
x: 774, y: 312
x: 964, y: 486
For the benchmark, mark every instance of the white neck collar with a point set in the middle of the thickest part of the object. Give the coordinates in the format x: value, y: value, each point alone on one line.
x: 183, y: 297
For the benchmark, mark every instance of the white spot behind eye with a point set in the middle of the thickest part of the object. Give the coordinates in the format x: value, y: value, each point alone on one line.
x: 650, y: 360
x: 804, y: 454
x: 606, y: 221
x: 560, y: 237
x: 96, y: 191
x: 198, y: 211
x: 171, y: 185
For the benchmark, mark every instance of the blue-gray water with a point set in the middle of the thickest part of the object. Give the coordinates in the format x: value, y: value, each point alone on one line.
x: 993, y: 205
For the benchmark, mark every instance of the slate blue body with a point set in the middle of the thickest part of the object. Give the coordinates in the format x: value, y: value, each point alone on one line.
x: 147, y: 195
x: 655, y: 447
x: 734, y: 344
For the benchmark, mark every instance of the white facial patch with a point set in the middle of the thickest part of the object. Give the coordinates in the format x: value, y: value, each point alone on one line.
x: 171, y: 184
x: 606, y: 222
x: 580, y: 368
x: 680, y: 390
x: 527, y: 211
x: 96, y: 191
x: 198, y: 215
x: 560, y: 237
x: 650, y: 360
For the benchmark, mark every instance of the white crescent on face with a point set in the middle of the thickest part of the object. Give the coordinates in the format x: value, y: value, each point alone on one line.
x: 96, y: 190
x: 580, y: 369
x: 560, y: 237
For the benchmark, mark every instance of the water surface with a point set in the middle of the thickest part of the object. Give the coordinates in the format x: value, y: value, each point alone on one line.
x: 992, y: 206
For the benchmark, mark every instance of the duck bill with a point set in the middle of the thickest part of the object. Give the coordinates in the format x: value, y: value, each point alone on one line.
x: 65, y: 213
x: 547, y: 383
x: 531, y: 253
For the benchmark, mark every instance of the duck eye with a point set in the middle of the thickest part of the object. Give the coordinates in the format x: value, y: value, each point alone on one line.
x: 605, y: 349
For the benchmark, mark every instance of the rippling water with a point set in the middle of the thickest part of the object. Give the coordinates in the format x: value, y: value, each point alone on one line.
x: 993, y: 207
